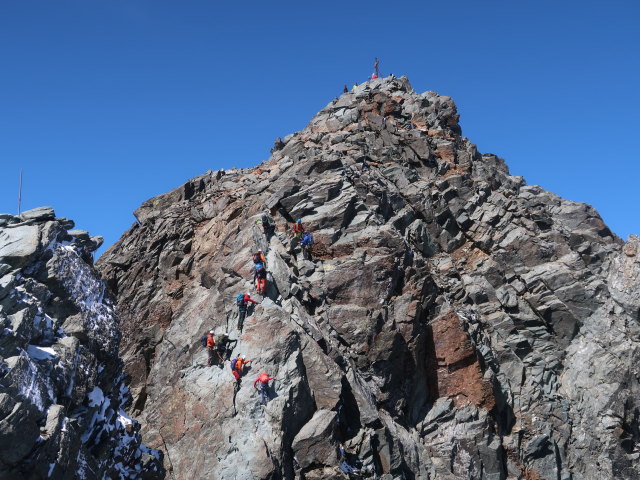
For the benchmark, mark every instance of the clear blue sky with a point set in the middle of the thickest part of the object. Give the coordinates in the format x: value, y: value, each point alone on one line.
x: 105, y: 104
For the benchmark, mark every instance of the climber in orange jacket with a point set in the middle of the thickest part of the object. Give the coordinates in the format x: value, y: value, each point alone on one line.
x: 264, y: 379
x: 211, y: 348
x: 258, y: 257
x: 237, y: 367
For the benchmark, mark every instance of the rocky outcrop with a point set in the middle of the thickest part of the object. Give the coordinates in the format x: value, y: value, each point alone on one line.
x: 451, y: 321
x: 62, y: 391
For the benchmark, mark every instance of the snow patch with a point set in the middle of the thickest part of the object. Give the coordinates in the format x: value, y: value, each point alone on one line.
x: 41, y: 353
x: 33, y: 385
x: 124, y: 419
x: 88, y: 293
x: 96, y: 397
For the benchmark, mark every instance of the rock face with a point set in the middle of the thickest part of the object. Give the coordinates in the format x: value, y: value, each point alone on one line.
x: 452, y: 321
x: 62, y: 391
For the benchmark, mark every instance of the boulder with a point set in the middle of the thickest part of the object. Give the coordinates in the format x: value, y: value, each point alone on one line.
x: 313, y: 444
x: 19, y: 245
x: 38, y: 214
x: 18, y: 432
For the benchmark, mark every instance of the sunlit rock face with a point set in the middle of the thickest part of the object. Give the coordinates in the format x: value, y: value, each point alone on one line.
x: 62, y: 390
x: 450, y: 322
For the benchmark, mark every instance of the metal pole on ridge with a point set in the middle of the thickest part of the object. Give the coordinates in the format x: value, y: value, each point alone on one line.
x: 20, y: 193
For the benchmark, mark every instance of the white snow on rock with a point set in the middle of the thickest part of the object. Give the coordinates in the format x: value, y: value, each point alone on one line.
x: 87, y: 291
x: 41, y: 353
x: 33, y: 385
x: 96, y: 397
x: 124, y: 419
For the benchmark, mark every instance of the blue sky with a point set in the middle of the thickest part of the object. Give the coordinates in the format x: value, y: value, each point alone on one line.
x: 106, y: 104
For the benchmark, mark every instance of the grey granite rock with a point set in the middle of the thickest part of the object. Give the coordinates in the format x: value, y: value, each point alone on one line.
x: 450, y: 322
x: 62, y: 394
x: 38, y: 214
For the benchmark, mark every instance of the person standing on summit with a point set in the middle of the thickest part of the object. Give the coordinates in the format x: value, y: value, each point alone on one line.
x: 376, y: 70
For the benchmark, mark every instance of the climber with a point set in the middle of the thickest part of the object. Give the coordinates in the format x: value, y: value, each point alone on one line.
x: 211, y: 344
x: 237, y: 367
x: 306, y: 243
x: 298, y: 229
x: 242, y: 300
x: 345, y: 89
x: 258, y: 257
x: 355, y: 85
x: 264, y: 386
x: 260, y: 278
x: 223, y: 347
x: 376, y: 72
x: 267, y: 225
x: 349, y: 463
x: 352, y: 472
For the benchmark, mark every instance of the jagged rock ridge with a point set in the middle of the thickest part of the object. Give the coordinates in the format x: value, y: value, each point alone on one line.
x: 453, y: 322
x: 62, y: 390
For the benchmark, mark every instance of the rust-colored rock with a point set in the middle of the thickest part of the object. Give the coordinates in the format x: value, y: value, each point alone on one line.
x: 455, y: 364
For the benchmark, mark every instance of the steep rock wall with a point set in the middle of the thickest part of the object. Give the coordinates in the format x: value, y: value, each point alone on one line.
x: 452, y: 322
x: 62, y: 391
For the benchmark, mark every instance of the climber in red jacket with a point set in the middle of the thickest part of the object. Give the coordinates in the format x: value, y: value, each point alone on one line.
x: 243, y: 305
x: 298, y: 229
x: 264, y: 379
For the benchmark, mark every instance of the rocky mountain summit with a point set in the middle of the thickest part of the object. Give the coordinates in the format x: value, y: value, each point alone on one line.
x: 62, y: 390
x: 451, y: 321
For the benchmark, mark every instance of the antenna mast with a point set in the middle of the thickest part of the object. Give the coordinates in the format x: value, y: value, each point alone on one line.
x: 20, y: 193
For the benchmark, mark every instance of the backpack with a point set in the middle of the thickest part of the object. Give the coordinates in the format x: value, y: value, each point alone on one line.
x: 265, y: 220
x: 233, y: 364
x: 256, y: 258
x: 308, y: 239
x: 203, y: 341
x: 240, y: 300
x: 346, y: 468
x: 261, y: 272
